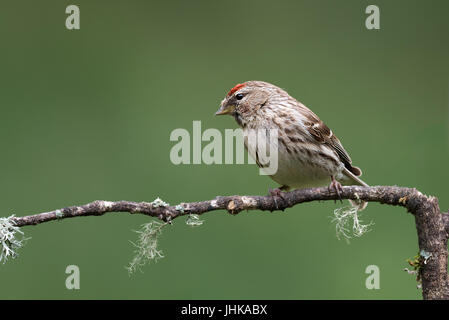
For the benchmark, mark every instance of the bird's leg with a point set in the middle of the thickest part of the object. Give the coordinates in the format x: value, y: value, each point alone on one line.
x: 336, y: 187
x: 277, y: 193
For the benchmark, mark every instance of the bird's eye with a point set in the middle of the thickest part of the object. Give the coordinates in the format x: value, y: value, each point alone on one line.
x: 239, y: 96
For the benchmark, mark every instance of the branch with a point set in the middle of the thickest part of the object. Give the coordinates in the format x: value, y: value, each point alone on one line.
x: 233, y: 204
x: 432, y: 226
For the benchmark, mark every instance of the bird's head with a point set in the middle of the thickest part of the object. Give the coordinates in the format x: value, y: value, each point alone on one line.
x: 244, y: 100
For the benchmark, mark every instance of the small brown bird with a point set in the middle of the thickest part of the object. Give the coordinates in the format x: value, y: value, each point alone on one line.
x: 309, y: 154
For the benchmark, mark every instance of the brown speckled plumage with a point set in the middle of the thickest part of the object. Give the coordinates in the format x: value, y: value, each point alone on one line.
x: 309, y: 154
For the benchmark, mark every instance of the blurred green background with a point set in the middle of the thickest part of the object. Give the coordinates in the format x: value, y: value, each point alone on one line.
x: 87, y: 115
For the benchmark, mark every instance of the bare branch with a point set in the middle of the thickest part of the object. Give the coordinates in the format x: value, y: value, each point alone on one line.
x: 233, y: 204
x: 432, y: 226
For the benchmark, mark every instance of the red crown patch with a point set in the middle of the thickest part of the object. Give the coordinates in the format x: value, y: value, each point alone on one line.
x: 236, y: 88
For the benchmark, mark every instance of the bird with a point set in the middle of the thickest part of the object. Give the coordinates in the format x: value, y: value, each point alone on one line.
x: 309, y: 153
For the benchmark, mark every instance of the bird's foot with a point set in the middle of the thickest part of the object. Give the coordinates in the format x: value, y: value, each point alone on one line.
x: 336, y: 187
x: 277, y: 194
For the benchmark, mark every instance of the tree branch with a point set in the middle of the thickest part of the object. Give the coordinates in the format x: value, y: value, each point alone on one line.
x: 432, y: 226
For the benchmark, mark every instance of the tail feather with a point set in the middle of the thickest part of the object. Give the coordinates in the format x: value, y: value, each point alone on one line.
x: 355, y: 179
x: 355, y: 170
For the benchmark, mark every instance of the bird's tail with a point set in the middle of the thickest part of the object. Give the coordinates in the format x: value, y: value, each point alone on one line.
x: 361, y: 205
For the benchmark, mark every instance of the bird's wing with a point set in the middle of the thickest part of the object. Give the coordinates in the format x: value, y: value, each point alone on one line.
x: 324, y: 135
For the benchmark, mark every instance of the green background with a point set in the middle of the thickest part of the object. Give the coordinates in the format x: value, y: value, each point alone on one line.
x: 87, y: 115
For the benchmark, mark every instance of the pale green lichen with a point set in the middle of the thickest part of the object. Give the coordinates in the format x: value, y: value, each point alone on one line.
x: 425, y: 255
x: 147, y: 246
x: 59, y: 214
x: 159, y: 203
x: 418, y: 263
x: 179, y: 208
x: 9, y: 239
x: 348, y: 223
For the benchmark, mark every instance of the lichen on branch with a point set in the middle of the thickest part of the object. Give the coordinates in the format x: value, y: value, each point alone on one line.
x: 432, y: 225
x: 11, y: 239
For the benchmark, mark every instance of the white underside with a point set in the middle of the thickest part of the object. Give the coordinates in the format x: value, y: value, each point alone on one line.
x: 295, y: 174
x: 299, y: 169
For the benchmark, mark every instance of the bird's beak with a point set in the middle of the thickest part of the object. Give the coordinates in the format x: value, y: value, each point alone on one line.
x: 226, y: 109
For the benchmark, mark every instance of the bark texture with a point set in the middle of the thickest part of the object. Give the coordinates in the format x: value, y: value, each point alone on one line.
x: 432, y: 225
